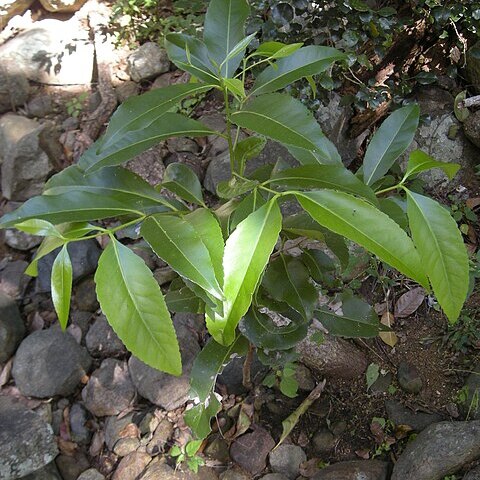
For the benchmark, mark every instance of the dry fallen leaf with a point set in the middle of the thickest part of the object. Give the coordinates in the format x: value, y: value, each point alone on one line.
x: 409, y: 302
x: 364, y: 453
x: 390, y: 338
x: 471, y: 203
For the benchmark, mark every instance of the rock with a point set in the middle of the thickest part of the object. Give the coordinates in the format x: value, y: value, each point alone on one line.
x: 409, y: 378
x: 401, y: 415
x: 50, y: 472
x: 64, y: 6
x: 472, y: 129
x: 109, y: 390
x: 183, y: 144
x: 102, y: 341
x: 71, y: 466
x: 119, y: 428
x: 10, y: 8
x: 27, y: 443
x: 275, y: 476
x: 125, y: 446
x: 78, y: 419
x: 441, y: 449
x: 472, y: 69
x: 85, y: 296
x: 51, y: 51
x: 471, y: 406
x: 381, y: 384
x: 218, y: 145
x: 26, y: 163
x: 12, y: 328
x: 160, y: 437
x: 40, y: 106
x: 165, y: 390
x: 131, y: 466
x: 218, y: 450
x: 91, y: 474
x: 250, y: 451
x: 234, y: 474
x: 126, y: 90
x: 304, y: 378
x: 49, y: 363
x: 286, y: 459
x: 14, y: 87
x: 354, y: 470
x: 147, y: 62
x: 473, y: 474
x: 149, y: 165
x: 323, y: 441
x: 13, y: 281
x: 84, y: 256
x: 164, y: 275
x: 334, y: 357
x: 21, y: 240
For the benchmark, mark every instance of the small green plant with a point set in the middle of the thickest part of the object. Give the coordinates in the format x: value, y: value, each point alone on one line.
x: 188, y: 454
x: 76, y: 104
x: 284, y: 378
x: 234, y: 261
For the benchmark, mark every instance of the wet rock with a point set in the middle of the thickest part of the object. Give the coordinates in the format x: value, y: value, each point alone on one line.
x: 40, y: 106
x: 473, y: 474
x: 84, y: 256
x: 71, y: 466
x: 131, y: 466
x: 64, y: 6
x: 10, y: 8
x: 323, y: 441
x: 471, y: 405
x: 109, y: 390
x: 400, y: 415
x: 12, y: 328
x: 286, y: 459
x: 14, y: 86
x: 51, y: 51
x: 409, y: 378
x: 234, y: 474
x: 27, y: 443
x: 50, y: 472
x: 102, y: 341
x: 85, y: 296
x: 48, y: 363
x: 160, y: 437
x: 126, y: 90
x: 13, y: 281
x: 441, y: 449
x: 78, y: 419
x: 333, y: 357
x: 91, y: 474
x: 354, y: 470
x: 250, y: 451
x: 21, y: 240
x: 147, y: 62
x: 472, y: 129
x: 165, y: 390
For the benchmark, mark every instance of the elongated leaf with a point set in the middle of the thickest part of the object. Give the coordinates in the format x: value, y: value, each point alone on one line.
x: 389, y: 142
x: 306, y: 61
x: 443, y: 253
x: 235, y: 87
x: 224, y: 29
x: 240, y: 46
x: 181, y: 180
x: 235, y: 187
x: 48, y: 245
x: 276, y: 49
x: 318, y: 263
x: 198, y: 418
x: 362, y: 223
x: 409, y: 302
x: 286, y: 120
x: 308, y: 177
x: 134, y: 142
x: 394, y: 210
x: 38, y: 227
x: 177, y: 243
x: 248, y: 205
x: 419, y: 162
x: 246, y: 254
x: 246, y: 149
x: 135, y: 308
x: 62, y: 278
x: 190, y: 54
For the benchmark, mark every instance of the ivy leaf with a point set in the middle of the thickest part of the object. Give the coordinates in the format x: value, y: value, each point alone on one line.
x: 135, y: 308
x: 181, y: 180
x: 62, y: 278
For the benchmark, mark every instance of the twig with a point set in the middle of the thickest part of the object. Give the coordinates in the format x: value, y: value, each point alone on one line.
x: 247, y: 367
x: 469, y: 102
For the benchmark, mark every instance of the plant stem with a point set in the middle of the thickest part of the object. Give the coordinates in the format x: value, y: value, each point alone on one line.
x: 247, y: 367
x: 389, y: 189
x: 106, y: 231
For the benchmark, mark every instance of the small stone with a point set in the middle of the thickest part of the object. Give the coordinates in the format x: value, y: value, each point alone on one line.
x: 27, y: 443
x: 286, y: 459
x: 71, y: 466
x: 126, y: 90
x: 304, y: 378
x: 110, y: 389
x: 125, y: 446
x: 400, y: 415
x: 20, y: 240
x: 131, y: 466
x: 91, y: 474
x: 162, y: 434
x: 382, y: 383
x: 147, y: 62
x: 218, y: 450
x: 13, y: 280
x: 50, y: 472
x: 323, y: 441
x: 102, y: 341
x: 148, y: 424
x: 182, y: 144
x: 14, y: 85
x: 12, y: 328
x: 354, y: 470
x: 118, y: 428
x: 160, y: 471
x: 409, y: 378
x: 234, y: 474
x: 78, y: 419
x: 85, y: 296
x: 40, y: 106
x: 48, y: 363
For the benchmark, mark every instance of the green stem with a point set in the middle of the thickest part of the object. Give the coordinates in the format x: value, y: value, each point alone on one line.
x: 389, y: 189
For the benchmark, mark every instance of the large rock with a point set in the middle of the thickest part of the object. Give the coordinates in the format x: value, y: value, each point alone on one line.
x: 147, y: 62
x: 14, y: 88
x: 439, y: 450
x: 25, y: 160
x: 48, y: 363
x: 12, y: 328
x: 102, y: 341
x: 471, y: 405
x: 27, y: 442
x: 286, y: 459
x: 354, y: 470
x: 50, y: 472
x: 64, y: 6
x: 52, y: 52
x: 473, y: 474
x: 10, y: 8
x: 13, y: 280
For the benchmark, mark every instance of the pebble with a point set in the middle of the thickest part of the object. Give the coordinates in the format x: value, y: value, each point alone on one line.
x: 126, y: 446
x: 71, y: 466
x: 286, y: 459
x: 323, y: 441
x: 20, y: 240
x: 409, y: 378
x: 126, y: 90
x: 85, y: 296
x: 115, y: 429
x: 354, y: 470
x: 234, y: 474
x: 12, y: 328
x: 131, y: 466
x: 400, y: 415
x: 160, y: 437
x: 102, y: 341
x: 147, y: 62
x: 13, y: 281
x: 78, y: 420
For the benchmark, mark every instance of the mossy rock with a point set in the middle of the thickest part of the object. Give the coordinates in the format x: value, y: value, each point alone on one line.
x: 472, y: 69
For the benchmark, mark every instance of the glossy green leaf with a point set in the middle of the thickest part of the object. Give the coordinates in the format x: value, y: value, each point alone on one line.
x: 240, y: 47
x: 392, y: 138
x: 286, y: 120
x: 394, y: 210
x: 223, y: 214
x: 303, y: 225
x: 276, y: 50
x: 362, y: 223
x: 306, y: 61
x: 247, y: 252
x: 308, y: 177
x: 235, y: 187
x: 61, y: 282
x: 248, y: 205
x: 190, y: 54
x: 235, y: 87
x: 135, y: 308
x: 181, y: 180
x: 224, y: 28
x: 443, y: 253
x: 38, y: 227
x: 198, y: 418
x: 318, y: 263
x: 48, y: 245
x: 419, y: 162
x: 175, y: 241
x: 246, y: 149
x: 183, y: 301
x: 134, y: 142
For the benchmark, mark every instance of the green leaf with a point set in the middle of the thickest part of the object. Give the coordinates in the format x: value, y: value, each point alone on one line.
x: 276, y: 49
x: 240, y: 47
x: 443, y: 253
x: 389, y: 142
x: 38, y: 227
x: 236, y: 87
x: 246, y: 149
x: 247, y: 252
x: 289, y: 386
x: 190, y: 54
x: 287, y: 280
x: 334, y: 177
x: 372, y: 374
x: 286, y: 120
x: 393, y: 209
x: 235, y: 187
x: 48, y: 245
x: 362, y: 223
x: 61, y: 281
x: 183, y: 301
x: 181, y: 180
x: 359, y: 6
x: 247, y: 206
x: 317, y: 263
x: 198, y: 418
x: 135, y: 308
x: 224, y: 28
x: 461, y: 113
x: 134, y: 142
x: 192, y: 447
x: 175, y: 241
x: 304, y: 62
x: 419, y: 162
